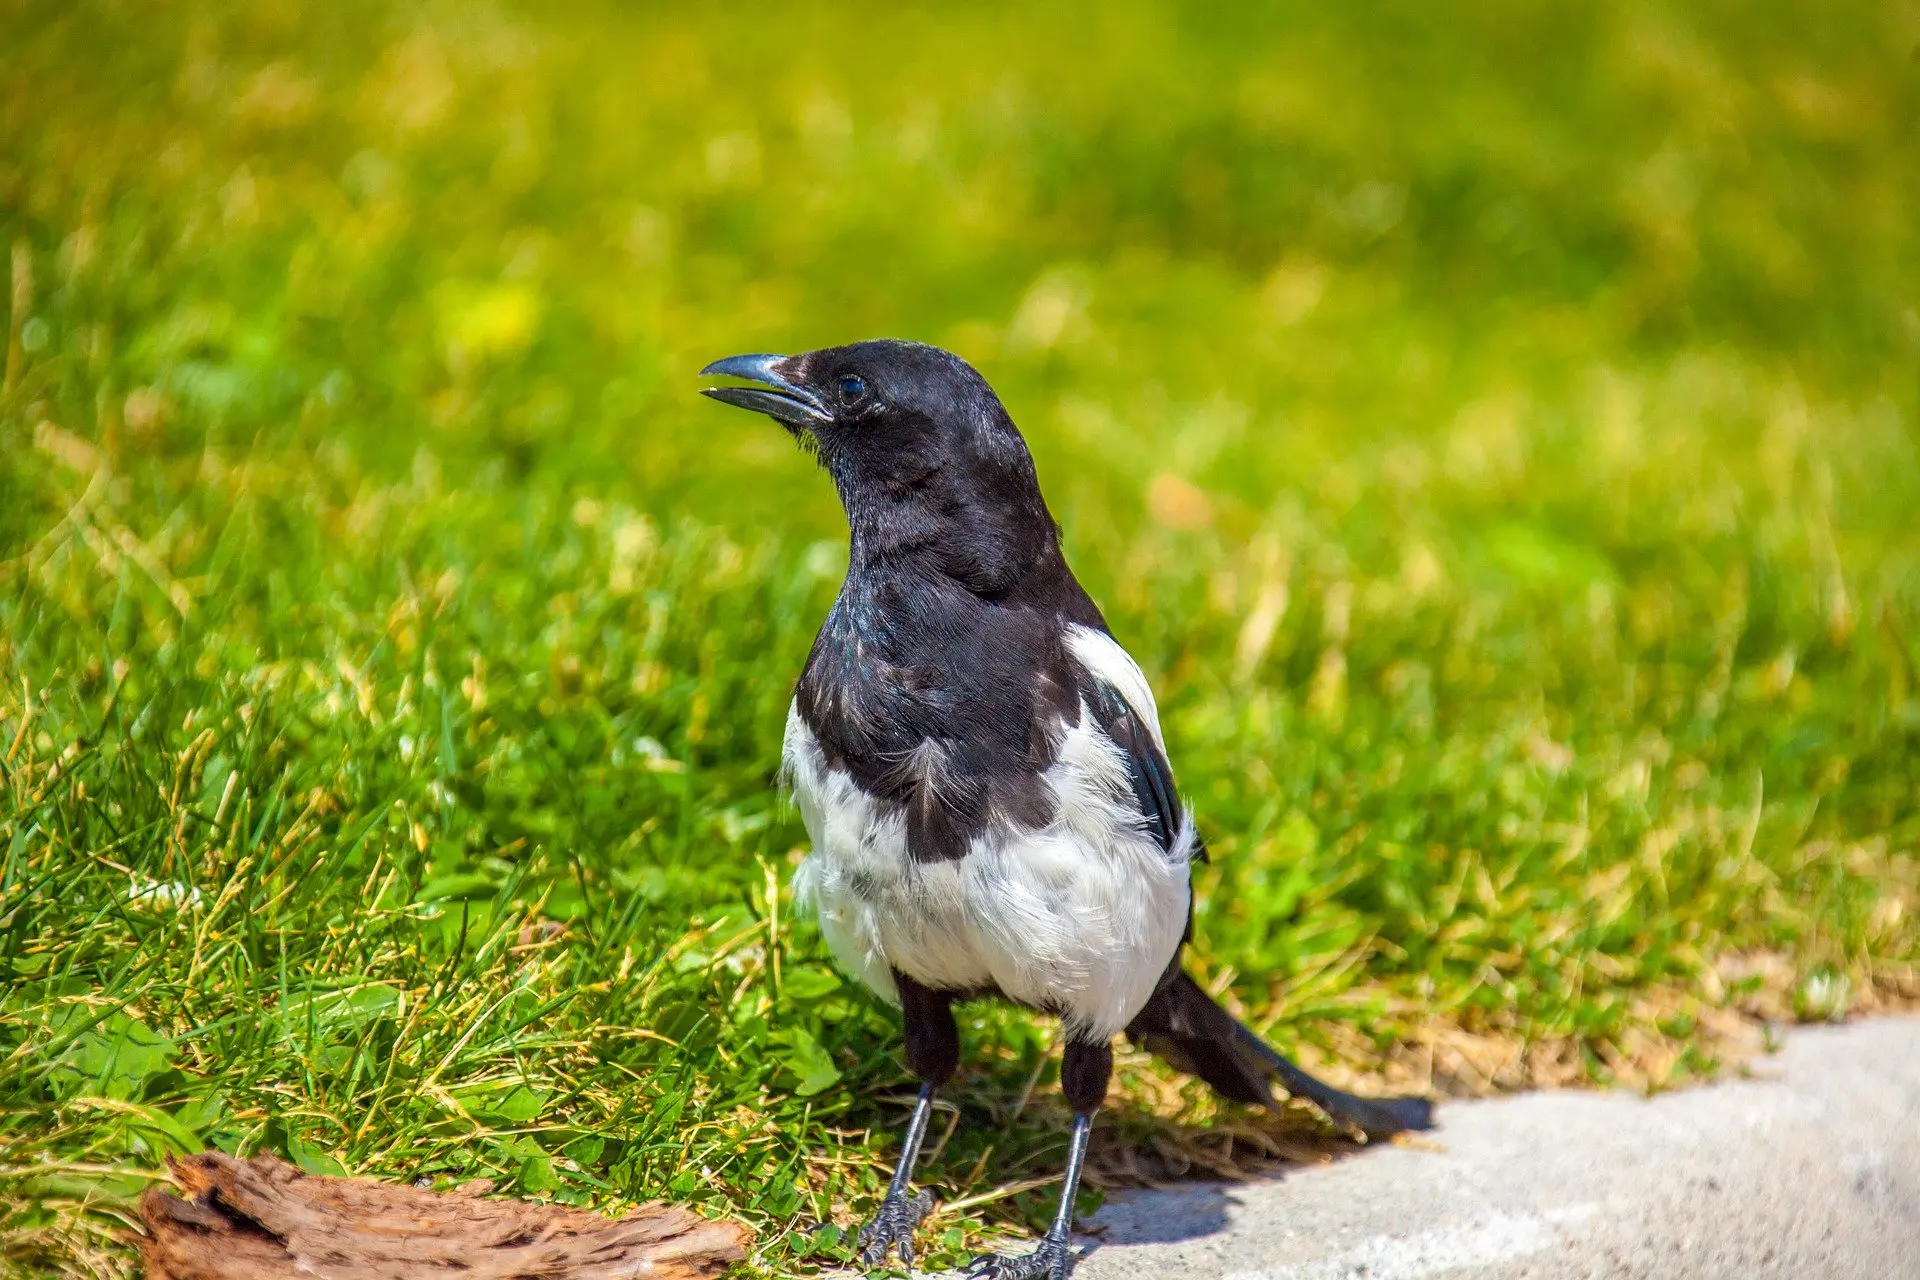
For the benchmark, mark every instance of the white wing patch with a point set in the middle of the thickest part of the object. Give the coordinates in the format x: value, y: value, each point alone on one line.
x: 1105, y: 660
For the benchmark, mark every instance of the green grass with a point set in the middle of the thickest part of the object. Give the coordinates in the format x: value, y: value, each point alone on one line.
x: 1494, y: 430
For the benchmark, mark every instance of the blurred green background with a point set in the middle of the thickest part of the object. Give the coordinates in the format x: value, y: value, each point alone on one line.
x: 1494, y: 427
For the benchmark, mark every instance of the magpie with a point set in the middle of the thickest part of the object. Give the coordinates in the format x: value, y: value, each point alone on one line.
x: 980, y: 768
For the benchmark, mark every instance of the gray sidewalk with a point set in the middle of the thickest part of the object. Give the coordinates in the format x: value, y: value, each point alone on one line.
x: 1810, y: 1168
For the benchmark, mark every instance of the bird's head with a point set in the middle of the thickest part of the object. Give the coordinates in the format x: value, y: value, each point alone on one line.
x: 916, y: 441
x: 873, y: 408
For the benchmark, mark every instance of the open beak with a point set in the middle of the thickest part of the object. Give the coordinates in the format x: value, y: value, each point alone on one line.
x: 787, y: 401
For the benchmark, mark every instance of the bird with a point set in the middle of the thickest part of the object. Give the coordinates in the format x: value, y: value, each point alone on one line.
x: 981, y: 771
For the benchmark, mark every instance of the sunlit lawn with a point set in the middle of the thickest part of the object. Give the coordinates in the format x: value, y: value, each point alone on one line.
x: 1493, y: 429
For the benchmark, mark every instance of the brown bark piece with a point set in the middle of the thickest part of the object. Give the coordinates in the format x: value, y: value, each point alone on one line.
x: 263, y: 1219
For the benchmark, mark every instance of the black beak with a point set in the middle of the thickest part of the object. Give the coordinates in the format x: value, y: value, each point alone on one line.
x: 788, y: 401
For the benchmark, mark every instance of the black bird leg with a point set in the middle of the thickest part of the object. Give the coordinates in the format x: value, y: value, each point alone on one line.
x: 1084, y: 1072
x: 900, y: 1213
x: 933, y: 1051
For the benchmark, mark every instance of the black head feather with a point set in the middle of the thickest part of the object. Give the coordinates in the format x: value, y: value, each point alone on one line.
x: 932, y: 472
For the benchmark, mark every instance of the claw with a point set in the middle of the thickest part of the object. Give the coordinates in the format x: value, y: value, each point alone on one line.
x: 1053, y: 1260
x: 892, y: 1228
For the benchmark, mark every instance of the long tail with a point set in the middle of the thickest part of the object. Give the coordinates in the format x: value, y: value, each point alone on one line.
x: 1183, y: 1025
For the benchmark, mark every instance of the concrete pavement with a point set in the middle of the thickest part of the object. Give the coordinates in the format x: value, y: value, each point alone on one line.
x: 1808, y: 1168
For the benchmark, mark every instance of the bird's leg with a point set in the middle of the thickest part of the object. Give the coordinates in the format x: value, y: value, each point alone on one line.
x: 900, y: 1213
x: 1084, y: 1072
x: 933, y: 1051
x: 1053, y: 1260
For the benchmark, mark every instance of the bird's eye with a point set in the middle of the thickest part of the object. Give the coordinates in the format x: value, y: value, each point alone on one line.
x: 852, y: 387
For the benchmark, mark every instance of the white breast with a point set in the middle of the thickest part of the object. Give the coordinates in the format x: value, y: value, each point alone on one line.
x: 1080, y: 917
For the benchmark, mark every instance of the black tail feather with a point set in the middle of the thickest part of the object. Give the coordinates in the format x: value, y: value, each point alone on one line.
x: 1183, y: 1025
x: 1375, y: 1117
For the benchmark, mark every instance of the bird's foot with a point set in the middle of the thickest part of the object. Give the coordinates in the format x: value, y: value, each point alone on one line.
x: 893, y: 1227
x: 1053, y: 1260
